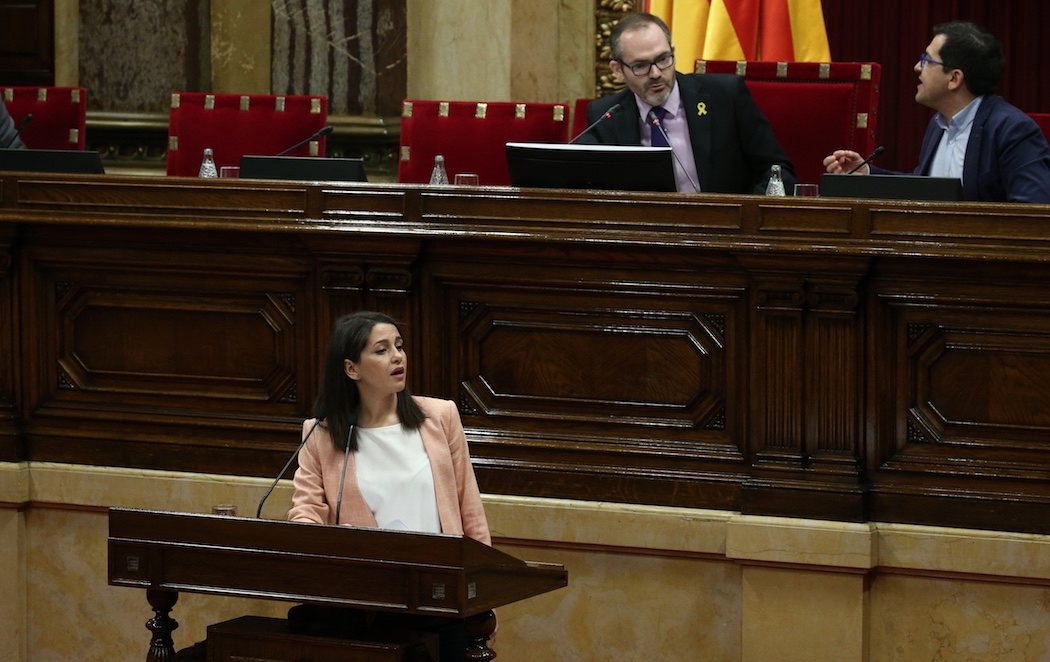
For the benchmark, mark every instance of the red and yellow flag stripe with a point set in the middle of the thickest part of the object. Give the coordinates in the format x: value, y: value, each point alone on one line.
x: 778, y: 30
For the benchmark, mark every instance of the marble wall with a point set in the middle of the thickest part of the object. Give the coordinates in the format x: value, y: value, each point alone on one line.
x: 365, y: 55
x: 501, y: 50
x: 645, y: 582
x: 132, y: 55
x: 352, y: 51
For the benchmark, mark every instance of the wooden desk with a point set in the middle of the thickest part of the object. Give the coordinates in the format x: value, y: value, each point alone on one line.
x: 853, y: 360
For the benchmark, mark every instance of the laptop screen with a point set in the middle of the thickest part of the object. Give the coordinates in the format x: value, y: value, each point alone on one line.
x: 51, y: 160
x: 605, y: 167
x: 890, y: 187
x: 303, y: 168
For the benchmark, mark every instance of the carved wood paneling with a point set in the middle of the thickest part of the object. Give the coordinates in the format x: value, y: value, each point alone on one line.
x: 10, y: 365
x: 131, y: 332
x: 649, y: 348
x: 27, y: 32
x: 966, y: 410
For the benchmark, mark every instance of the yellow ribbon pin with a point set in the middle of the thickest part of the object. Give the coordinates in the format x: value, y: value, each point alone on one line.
x: 701, y: 109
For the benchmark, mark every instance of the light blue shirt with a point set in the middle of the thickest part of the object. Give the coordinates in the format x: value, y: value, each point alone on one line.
x: 677, y: 128
x: 951, y: 151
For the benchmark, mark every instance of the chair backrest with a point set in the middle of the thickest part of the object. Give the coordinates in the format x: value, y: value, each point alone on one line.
x: 813, y: 107
x: 473, y: 135
x: 1043, y: 120
x: 58, y: 115
x: 579, y: 116
x: 233, y: 125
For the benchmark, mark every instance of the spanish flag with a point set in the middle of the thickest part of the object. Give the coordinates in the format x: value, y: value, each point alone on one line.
x: 772, y: 30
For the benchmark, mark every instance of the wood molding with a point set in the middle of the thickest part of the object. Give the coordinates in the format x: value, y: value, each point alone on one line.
x: 838, y: 359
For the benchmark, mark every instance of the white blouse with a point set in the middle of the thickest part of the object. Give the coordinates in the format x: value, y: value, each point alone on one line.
x: 393, y: 473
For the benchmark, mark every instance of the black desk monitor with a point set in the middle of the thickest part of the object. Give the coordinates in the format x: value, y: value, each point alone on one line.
x: 51, y: 160
x: 890, y: 187
x: 606, y: 167
x: 303, y: 168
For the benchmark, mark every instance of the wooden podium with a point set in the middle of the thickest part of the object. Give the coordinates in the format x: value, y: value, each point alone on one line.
x: 393, y: 571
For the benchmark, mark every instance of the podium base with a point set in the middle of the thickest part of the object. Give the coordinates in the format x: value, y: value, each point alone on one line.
x: 270, y: 640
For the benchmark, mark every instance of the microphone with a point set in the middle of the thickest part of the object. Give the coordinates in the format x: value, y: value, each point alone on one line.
x: 25, y: 122
x: 874, y: 155
x: 317, y: 134
x: 655, y: 121
x: 258, y: 511
x: 606, y: 115
x: 342, y: 476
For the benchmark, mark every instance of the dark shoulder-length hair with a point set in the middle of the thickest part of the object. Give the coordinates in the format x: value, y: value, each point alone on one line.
x: 338, y: 399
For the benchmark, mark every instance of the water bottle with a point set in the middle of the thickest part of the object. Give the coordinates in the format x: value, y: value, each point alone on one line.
x: 438, y: 176
x: 776, y: 182
x: 208, y: 165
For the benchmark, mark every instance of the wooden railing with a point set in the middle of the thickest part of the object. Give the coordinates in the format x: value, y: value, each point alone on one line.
x: 839, y: 359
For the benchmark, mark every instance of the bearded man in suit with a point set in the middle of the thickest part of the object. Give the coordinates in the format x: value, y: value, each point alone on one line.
x: 722, y: 141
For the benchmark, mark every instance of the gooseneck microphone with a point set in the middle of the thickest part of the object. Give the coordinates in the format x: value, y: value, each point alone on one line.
x: 874, y: 155
x: 317, y: 134
x: 606, y: 115
x: 258, y: 511
x: 342, y: 476
x: 25, y: 122
x: 655, y: 121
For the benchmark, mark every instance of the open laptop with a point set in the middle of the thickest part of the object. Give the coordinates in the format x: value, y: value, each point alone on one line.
x: 51, y: 160
x: 303, y: 168
x: 890, y: 187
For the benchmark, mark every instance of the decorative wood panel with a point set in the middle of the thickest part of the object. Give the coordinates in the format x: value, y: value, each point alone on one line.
x: 819, y: 358
x: 10, y: 365
x: 603, y: 363
x: 965, y: 410
x: 27, y: 32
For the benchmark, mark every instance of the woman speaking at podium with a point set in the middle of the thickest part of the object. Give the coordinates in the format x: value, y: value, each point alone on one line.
x: 377, y: 456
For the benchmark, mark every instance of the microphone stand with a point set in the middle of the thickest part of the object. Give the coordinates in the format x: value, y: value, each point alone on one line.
x: 322, y: 132
x: 258, y: 511
x: 342, y: 476
x: 874, y: 155
x: 606, y: 115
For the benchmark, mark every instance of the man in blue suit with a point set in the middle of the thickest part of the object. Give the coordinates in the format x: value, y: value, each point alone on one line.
x: 997, y: 151
x: 8, y: 132
x: 721, y: 140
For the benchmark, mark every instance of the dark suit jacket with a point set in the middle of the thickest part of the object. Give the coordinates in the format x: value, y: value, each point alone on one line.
x: 1007, y: 157
x: 8, y: 132
x: 733, y: 144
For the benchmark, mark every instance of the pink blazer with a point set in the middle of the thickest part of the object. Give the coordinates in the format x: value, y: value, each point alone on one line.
x: 459, y: 506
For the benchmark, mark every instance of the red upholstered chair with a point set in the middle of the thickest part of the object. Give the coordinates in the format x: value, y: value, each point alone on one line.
x: 579, y: 116
x: 1043, y: 120
x: 233, y: 125
x: 814, y: 108
x: 472, y: 136
x: 58, y: 115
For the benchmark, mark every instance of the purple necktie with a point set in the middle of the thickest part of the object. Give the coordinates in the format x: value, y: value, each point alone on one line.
x: 657, y: 139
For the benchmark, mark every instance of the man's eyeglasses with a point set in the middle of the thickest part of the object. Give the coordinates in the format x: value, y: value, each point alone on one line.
x: 925, y: 59
x: 643, y: 68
